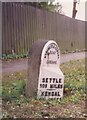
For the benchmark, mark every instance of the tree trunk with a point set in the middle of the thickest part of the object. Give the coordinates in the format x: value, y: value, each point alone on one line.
x: 74, y: 9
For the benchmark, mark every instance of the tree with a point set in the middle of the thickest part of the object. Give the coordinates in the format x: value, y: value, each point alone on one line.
x: 74, y: 9
x: 50, y: 6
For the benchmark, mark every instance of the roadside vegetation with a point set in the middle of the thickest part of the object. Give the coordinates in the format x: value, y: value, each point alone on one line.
x: 16, y: 104
x: 17, y: 56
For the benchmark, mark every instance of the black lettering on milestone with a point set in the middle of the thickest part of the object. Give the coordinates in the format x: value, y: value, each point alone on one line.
x: 44, y: 56
x: 58, y: 85
x: 43, y: 80
x: 46, y: 52
x: 46, y: 80
x: 52, y: 93
x: 48, y: 49
x: 51, y: 86
x: 61, y: 86
x: 49, y: 93
x: 45, y: 85
x: 58, y: 54
x: 58, y: 94
x: 51, y: 45
x: 50, y: 80
x: 41, y: 86
x: 57, y: 50
x: 46, y: 93
x: 55, y: 93
x: 53, y: 80
x: 59, y: 80
x: 42, y: 93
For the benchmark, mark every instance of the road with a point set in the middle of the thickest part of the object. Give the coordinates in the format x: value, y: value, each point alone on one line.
x: 22, y: 64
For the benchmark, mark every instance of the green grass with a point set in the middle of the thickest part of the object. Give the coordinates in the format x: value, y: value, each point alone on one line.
x: 74, y: 82
x: 13, y: 56
x: 13, y: 90
x: 13, y: 85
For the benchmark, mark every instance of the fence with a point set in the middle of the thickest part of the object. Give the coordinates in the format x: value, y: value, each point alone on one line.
x: 22, y: 25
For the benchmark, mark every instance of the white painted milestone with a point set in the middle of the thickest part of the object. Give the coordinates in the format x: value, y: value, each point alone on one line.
x: 51, y: 78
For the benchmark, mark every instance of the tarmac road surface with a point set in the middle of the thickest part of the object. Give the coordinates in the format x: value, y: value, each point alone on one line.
x: 22, y: 64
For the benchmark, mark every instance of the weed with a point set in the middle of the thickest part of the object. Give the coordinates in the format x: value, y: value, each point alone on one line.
x: 13, y: 90
x: 13, y: 56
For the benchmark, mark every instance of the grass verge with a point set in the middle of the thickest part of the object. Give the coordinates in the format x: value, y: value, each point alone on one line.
x: 13, y: 93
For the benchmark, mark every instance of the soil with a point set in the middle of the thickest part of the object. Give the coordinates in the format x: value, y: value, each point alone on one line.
x: 38, y: 109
